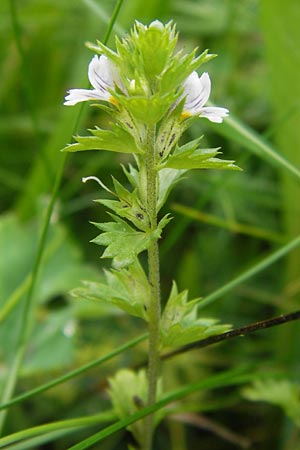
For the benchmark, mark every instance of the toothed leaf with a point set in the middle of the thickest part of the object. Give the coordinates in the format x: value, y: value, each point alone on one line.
x: 115, y: 140
x: 127, y: 289
x: 190, y: 156
x: 123, y: 242
x: 168, y: 178
x: 180, y: 325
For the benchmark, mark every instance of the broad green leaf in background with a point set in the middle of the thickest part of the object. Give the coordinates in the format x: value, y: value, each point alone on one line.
x: 52, y: 340
x: 283, y: 393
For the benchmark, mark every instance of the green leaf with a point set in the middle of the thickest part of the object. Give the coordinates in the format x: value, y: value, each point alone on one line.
x: 154, y: 47
x: 283, y: 393
x: 102, y: 49
x: 213, y: 163
x: 163, y: 222
x: 180, y: 325
x: 189, y: 156
x: 146, y: 50
x: 134, y: 213
x: 123, y: 242
x: 170, y: 130
x: 184, y: 333
x: 52, y: 339
x: 127, y: 288
x: 128, y: 391
x: 128, y: 206
x: 148, y: 109
x: 180, y: 67
x: 168, y: 178
x: 132, y: 175
x: 115, y: 140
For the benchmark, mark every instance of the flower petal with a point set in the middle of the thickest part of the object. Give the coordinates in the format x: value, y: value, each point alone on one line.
x: 82, y: 95
x: 204, y: 82
x: 197, y: 92
x: 99, y: 73
x: 214, y: 113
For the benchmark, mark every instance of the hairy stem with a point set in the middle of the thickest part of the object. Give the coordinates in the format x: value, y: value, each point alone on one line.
x: 154, y: 280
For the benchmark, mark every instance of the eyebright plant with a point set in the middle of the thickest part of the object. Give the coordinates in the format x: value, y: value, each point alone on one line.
x: 153, y: 94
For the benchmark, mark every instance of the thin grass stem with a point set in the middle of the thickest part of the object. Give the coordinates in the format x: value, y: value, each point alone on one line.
x: 76, y: 423
x: 247, y: 137
x: 247, y: 274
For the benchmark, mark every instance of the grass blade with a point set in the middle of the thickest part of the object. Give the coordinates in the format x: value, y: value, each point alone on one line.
x: 64, y: 425
x: 234, y: 129
x: 232, y: 226
x: 255, y: 269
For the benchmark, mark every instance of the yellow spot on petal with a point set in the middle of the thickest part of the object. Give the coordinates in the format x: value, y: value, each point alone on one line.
x: 184, y: 115
x: 113, y: 101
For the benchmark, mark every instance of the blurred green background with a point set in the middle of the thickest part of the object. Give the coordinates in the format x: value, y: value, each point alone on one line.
x: 224, y: 223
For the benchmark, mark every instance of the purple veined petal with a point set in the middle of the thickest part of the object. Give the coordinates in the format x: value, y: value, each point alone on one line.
x: 103, y: 75
x: 100, y: 74
x: 197, y: 92
x: 82, y: 95
x: 214, y: 113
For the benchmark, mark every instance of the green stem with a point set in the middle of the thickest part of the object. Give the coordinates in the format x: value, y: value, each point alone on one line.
x: 154, y: 280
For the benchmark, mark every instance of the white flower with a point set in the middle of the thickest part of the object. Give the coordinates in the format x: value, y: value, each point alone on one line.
x: 103, y: 76
x: 196, y: 93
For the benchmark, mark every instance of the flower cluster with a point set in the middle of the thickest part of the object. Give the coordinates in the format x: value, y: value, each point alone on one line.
x: 105, y: 78
x: 153, y: 94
